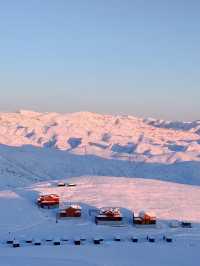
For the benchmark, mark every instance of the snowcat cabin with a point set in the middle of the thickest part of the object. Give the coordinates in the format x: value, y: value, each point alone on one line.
x: 145, y: 219
x: 71, y: 211
x: 48, y: 201
x: 108, y: 216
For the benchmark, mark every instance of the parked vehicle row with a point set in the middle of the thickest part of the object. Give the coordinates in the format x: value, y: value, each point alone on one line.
x: 97, y: 240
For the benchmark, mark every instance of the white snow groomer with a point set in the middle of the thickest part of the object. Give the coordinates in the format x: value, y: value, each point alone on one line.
x: 109, y: 216
x: 144, y: 219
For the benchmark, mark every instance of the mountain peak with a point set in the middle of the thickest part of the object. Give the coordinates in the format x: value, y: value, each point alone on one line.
x: 29, y: 113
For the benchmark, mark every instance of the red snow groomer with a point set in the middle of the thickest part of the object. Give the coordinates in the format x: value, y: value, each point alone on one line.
x: 145, y: 219
x: 109, y: 216
x: 48, y: 201
x: 70, y: 211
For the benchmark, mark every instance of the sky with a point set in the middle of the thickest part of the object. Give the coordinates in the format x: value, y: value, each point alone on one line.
x: 136, y: 57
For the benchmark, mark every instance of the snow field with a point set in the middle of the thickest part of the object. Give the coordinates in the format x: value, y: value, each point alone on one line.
x: 24, y: 220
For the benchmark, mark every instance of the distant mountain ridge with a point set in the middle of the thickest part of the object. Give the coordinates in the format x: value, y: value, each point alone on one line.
x: 28, y: 139
x: 102, y: 133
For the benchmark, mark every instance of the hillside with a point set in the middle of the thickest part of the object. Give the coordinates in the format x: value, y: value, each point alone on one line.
x: 117, y: 161
x: 37, y: 146
x: 24, y: 220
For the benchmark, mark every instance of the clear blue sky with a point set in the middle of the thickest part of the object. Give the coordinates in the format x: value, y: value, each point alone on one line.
x: 110, y: 56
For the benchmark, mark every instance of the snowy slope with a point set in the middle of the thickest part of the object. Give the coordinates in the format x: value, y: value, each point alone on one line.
x: 86, y: 132
x: 24, y: 220
x: 107, y: 255
x: 119, y: 134
x: 39, y: 146
x: 122, y: 161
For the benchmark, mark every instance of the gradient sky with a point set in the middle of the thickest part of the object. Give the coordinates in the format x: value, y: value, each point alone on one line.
x: 110, y: 56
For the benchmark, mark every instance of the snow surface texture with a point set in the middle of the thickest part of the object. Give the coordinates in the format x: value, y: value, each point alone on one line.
x: 118, y: 161
x: 37, y: 146
x: 24, y: 220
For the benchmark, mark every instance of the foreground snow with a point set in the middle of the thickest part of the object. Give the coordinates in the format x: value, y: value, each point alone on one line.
x: 108, y: 254
x: 23, y: 219
x: 118, y: 161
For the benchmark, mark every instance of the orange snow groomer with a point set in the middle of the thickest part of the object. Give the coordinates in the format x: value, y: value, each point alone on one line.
x: 70, y: 211
x: 48, y: 201
x: 145, y: 218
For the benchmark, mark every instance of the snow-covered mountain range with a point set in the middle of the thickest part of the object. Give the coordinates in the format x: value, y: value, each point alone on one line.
x: 53, y: 145
x: 123, y: 161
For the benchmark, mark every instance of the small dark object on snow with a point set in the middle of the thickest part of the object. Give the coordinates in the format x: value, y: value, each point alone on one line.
x: 61, y: 184
x: 97, y: 241
x: 134, y: 239
x: 151, y: 239
x: 49, y: 239
x: 56, y: 242
x: 64, y: 239
x: 37, y: 243
x: 77, y: 242
x: 186, y: 224
x: 29, y: 241
x: 168, y: 239
x: 10, y: 241
x: 117, y: 238
x: 16, y: 244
